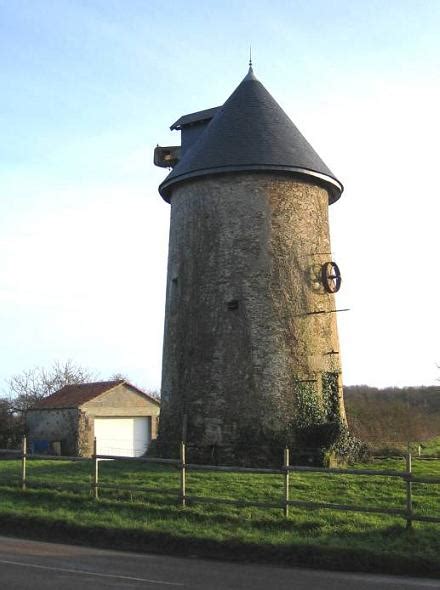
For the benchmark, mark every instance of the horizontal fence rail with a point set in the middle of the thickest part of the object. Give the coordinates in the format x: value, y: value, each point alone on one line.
x: 341, y: 471
x: 11, y: 451
x: 286, y: 470
x: 232, y: 469
x: 137, y: 459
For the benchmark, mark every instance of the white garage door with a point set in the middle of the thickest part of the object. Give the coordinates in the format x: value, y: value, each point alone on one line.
x: 124, y: 437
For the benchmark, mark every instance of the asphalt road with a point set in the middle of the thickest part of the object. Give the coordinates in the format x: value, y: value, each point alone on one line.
x: 33, y: 565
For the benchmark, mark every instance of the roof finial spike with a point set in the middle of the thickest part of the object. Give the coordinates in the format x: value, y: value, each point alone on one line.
x: 250, y: 75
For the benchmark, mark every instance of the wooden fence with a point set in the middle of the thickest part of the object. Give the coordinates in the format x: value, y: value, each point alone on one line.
x: 407, y: 477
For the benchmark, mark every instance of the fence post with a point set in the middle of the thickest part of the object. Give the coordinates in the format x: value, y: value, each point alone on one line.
x: 182, y: 474
x: 286, y: 482
x: 23, y: 463
x: 409, y: 507
x: 95, y: 472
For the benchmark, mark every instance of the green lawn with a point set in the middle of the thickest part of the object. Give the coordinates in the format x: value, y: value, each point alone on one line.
x: 431, y: 447
x: 155, y: 521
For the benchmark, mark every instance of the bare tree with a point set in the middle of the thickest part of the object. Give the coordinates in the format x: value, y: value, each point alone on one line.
x: 11, y: 426
x: 28, y: 387
x: 119, y: 377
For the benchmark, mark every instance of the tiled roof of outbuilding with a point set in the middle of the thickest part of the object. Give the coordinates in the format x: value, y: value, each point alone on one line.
x: 251, y: 132
x: 73, y: 396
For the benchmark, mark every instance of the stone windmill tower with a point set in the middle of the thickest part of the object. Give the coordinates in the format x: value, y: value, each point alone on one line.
x: 251, y: 354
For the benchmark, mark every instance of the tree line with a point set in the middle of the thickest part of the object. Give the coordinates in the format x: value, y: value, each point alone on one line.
x: 25, y: 389
x: 393, y: 416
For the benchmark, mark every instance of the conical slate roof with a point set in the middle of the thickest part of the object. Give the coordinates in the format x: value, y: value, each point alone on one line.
x: 251, y: 132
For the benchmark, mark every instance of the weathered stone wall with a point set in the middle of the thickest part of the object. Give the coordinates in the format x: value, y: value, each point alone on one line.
x: 245, y: 255
x: 55, y: 425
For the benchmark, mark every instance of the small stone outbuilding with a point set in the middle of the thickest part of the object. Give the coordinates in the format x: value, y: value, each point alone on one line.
x: 122, y: 417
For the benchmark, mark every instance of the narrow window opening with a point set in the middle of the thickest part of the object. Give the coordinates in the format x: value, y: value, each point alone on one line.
x: 233, y: 304
x: 173, y: 294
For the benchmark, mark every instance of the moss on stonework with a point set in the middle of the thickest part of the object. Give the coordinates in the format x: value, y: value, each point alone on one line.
x: 319, y: 432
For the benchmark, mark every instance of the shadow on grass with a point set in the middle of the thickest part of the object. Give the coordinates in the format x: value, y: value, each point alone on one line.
x: 156, y: 507
x: 304, y: 555
x: 310, y: 540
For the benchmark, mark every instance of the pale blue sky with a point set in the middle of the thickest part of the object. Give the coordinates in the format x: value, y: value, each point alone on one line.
x: 89, y: 87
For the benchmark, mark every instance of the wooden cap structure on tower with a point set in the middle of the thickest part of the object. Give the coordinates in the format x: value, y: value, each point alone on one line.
x: 250, y: 132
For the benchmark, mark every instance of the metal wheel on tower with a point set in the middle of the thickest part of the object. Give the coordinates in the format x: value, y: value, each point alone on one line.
x: 331, y: 277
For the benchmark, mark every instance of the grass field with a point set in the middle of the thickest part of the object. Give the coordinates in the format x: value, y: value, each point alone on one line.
x: 155, y: 521
x: 431, y: 447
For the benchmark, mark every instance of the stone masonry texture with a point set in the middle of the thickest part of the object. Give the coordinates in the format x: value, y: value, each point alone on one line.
x: 244, y: 273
